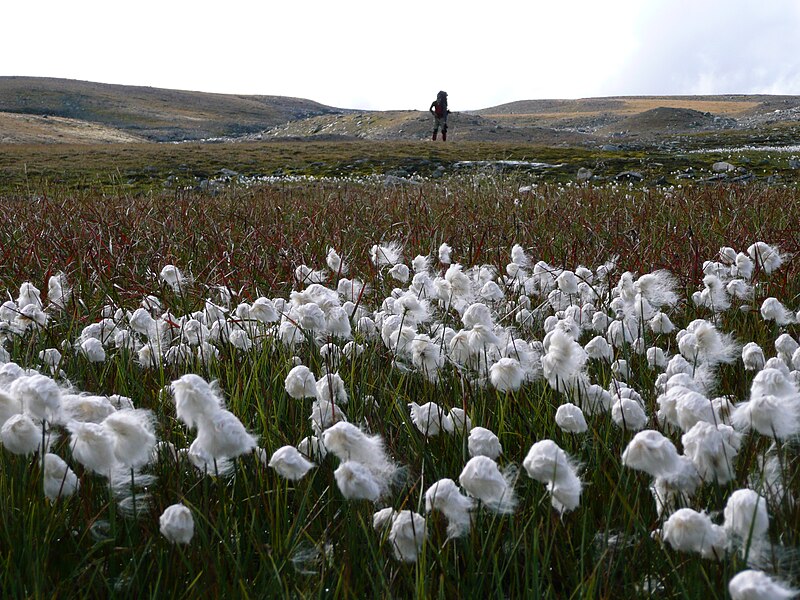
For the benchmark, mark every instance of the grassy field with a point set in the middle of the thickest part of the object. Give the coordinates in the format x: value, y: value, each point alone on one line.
x: 104, y: 218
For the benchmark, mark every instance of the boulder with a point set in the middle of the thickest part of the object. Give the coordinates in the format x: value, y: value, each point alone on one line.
x: 722, y: 167
x: 629, y: 176
x: 584, y: 174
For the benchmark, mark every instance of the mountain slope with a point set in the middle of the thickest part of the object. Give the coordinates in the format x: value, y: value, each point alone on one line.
x: 152, y: 113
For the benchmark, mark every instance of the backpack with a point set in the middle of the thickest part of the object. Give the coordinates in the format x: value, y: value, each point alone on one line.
x: 439, y: 108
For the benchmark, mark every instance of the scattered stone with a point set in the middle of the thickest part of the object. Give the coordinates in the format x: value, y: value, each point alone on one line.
x: 794, y: 163
x: 722, y: 167
x: 228, y: 172
x: 629, y: 176
x: 584, y: 174
x: 610, y: 148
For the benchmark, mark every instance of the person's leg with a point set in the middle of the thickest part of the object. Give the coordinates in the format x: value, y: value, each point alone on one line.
x: 444, y: 133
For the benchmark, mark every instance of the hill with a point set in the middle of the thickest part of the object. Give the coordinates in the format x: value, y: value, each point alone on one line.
x: 59, y: 110
x: 152, y: 113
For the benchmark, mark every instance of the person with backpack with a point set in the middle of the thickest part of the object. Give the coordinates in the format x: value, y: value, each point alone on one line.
x: 439, y: 109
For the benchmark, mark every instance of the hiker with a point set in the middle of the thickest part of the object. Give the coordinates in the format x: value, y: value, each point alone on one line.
x: 440, y: 112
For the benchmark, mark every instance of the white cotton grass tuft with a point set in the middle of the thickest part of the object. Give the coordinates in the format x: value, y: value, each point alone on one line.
x: 649, y: 451
x: 702, y: 342
x: 348, y: 443
x: 324, y: 414
x: 20, y: 435
x: 746, y: 516
x: 357, y: 482
x: 222, y: 435
x: 289, y: 463
x: 769, y: 258
x: 59, y: 480
x: 428, y: 418
x: 300, y: 383
x: 9, y: 406
x: 757, y: 585
x: 506, y: 375
x: 445, y: 254
x: 389, y: 254
x: 93, y: 447
x: 133, y: 431
x: 569, y: 418
x: 457, y: 421
x: 547, y: 463
x: 331, y: 388
x: 687, y: 530
x: 713, y: 449
x: 753, y: 357
x: 563, y: 361
x: 173, y: 277
x: 482, y: 479
x: 195, y: 398
x: 407, y: 535
x: 773, y: 409
x: 335, y: 262
x: 773, y: 310
x: 39, y: 395
x: 483, y: 442
x: 445, y: 496
x: 628, y: 414
x: 177, y: 524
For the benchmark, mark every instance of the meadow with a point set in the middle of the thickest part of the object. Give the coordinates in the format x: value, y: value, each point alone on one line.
x: 116, y: 294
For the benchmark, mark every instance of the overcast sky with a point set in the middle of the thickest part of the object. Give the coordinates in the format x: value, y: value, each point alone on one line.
x: 383, y: 55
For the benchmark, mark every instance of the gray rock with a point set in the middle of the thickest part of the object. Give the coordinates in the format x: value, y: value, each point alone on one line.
x: 794, y: 163
x: 228, y: 173
x: 584, y: 174
x: 610, y: 148
x: 629, y: 176
x: 722, y: 167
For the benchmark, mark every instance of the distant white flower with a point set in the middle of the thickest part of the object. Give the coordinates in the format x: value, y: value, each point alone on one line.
x: 290, y: 463
x: 177, y: 524
x: 330, y: 387
x: 482, y: 442
x: 400, y: 272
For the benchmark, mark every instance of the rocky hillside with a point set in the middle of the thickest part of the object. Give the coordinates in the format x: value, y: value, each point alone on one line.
x: 34, y: 110
x: 148, y: 113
